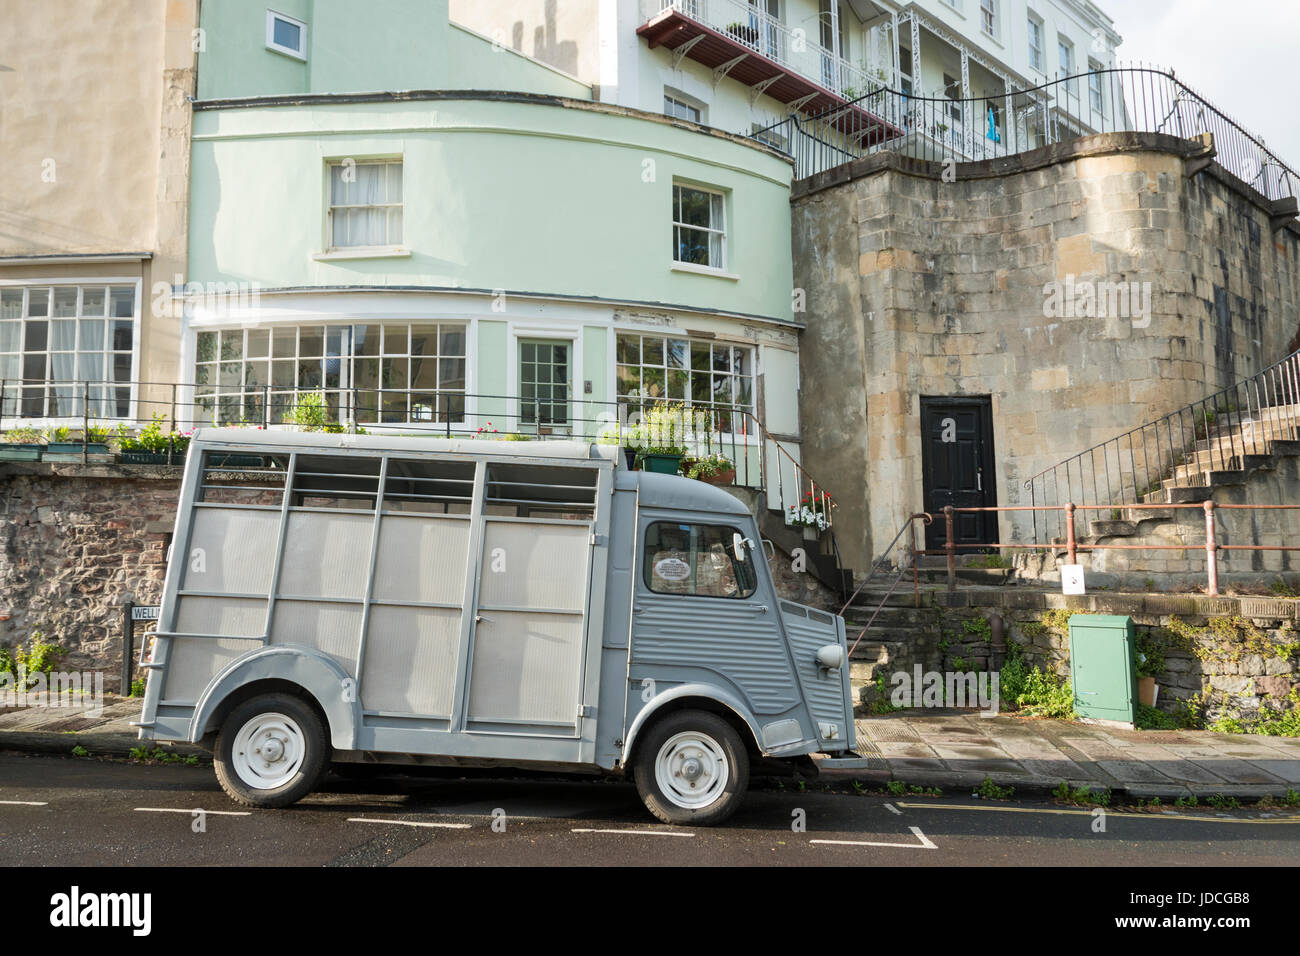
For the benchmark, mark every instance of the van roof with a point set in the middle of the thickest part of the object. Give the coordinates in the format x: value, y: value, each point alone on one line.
x: 679, y: 494
x: 265, y: 441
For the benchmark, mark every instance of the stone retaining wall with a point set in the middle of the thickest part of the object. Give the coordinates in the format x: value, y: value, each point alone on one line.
x: 1223, y: 656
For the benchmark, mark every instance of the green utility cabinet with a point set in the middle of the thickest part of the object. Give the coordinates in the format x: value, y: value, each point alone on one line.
x: 1102, y: 671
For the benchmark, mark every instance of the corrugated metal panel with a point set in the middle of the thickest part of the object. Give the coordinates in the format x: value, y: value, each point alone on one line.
x: 235, y: 551
x: 194, y: 661
x: 421, y: 559
x: 334, y: 629
x: 526, y: 667
x: 824, y: 693
x: 749, y: 651
x: 534, y: 565
x: 233, y: 617
x: 326, y: 555
x: 410, y: 664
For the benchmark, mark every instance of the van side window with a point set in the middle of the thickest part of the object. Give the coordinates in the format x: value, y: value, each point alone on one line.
x: 697, y: 560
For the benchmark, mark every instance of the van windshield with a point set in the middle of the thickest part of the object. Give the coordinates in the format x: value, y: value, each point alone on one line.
x: 695, y: 560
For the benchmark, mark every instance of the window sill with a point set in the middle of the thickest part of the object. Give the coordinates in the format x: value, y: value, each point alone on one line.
x: 285, y: 51
x: 703, y: 271
x: 368, y: 252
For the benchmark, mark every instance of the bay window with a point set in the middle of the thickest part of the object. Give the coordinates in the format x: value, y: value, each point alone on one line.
x: 702, y: 374
x: 60, y: 342
x: 381, y: 373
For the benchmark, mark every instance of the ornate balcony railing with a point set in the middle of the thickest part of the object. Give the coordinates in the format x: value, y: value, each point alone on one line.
x: 756, y: 30
x: 941, y: 128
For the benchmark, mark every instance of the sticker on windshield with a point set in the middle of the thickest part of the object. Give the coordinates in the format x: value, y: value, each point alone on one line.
x: 672, y: 569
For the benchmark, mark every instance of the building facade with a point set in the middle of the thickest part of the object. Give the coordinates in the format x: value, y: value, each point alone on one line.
x: 93, y: 216
x: 527, y: 260
x: 745, y: 65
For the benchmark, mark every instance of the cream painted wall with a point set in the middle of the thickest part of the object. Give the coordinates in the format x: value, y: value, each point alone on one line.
x: 94, y: 132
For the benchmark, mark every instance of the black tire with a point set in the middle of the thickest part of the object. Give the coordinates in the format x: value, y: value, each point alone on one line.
x: 722, y: 739
x: 315, y: 756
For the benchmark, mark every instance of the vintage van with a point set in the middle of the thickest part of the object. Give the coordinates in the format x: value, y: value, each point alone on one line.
x: 362, y: 599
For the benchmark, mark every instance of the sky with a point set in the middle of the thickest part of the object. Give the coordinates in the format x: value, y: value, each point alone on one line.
x: 1240, y: 56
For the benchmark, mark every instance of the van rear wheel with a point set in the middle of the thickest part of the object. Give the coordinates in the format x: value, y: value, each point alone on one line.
x: 692, y: 769
x: 271, y: 751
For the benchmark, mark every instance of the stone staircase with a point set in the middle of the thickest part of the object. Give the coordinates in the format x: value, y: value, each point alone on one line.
x: 1259, y: 467
x: 901, y: 635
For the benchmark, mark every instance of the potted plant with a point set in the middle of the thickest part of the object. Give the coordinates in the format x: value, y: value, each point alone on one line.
x: 152, y: 446
x: 743, y: 32
x: 714, y: 470
x: 1149, y: 663
x: 811, y: 514
x: 626, y: 437
x: 21, y: 444
x: 664, y: 438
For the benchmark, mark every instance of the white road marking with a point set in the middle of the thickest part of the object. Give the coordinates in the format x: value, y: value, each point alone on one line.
x: 24, y: 803
x: 211, y: 813
x: 668, y: 833
x: 925, y: 843
x: 412, y: 823
x: 893, y: 809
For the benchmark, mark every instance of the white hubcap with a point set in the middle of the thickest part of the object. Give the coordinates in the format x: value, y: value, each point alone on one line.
x: 691, y: 770
x: 268, y: 751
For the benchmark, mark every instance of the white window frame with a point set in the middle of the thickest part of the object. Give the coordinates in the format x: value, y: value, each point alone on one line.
x: 299, y: 54
x: 1036, y: 28
x: 711, y: 229
x: 108, y: 383
x: 283, y: 397
x: 1067, y: 64
x: 1096, y: 93
x: 671, y: 96
x: 356, y: 251
x: 989, y: 19
x: 641, y: 334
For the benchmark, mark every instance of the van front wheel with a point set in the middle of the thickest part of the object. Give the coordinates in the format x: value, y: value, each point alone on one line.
x: 692, y: 769
x: 271, y: 751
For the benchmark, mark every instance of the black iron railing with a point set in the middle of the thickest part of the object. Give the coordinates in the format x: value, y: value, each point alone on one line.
x: 1216, y: 433
x: 88, y: 412
x: 942, y: 128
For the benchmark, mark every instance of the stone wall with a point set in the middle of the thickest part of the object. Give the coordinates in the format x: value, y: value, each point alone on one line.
x: 74, y: 549
x: 920, y: 286
x: 1223, y: 657
x: 78, y: 542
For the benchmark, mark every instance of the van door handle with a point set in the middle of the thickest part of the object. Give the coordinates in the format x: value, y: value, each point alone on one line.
x: 639, y: 610
x: 760, y: 608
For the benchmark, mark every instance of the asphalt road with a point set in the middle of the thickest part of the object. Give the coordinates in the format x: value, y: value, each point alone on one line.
x: 57, y: 811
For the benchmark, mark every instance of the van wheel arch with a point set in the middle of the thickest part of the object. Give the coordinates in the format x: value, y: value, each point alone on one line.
x: 707, y: 704
x: 259, y: 688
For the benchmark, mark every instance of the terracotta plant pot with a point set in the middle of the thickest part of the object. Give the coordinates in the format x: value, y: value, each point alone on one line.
x: 1147, y: 691
x: 727, y: 477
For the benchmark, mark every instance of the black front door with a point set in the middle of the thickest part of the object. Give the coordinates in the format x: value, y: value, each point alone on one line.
x: 957, y: 468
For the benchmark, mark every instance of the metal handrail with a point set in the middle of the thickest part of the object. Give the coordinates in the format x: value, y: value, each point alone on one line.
x: 820, y: 501
x: 1211, y: 546
x: 910, y: 524
x: 1215, y: 433
x: 1119, y: 99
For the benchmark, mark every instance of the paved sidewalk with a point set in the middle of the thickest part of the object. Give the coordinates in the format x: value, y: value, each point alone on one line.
x: 50, y: 730
x: 954, y: 750
x: 950, y: 749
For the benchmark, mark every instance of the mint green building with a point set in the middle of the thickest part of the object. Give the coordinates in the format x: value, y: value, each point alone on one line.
x: 436, y: 231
